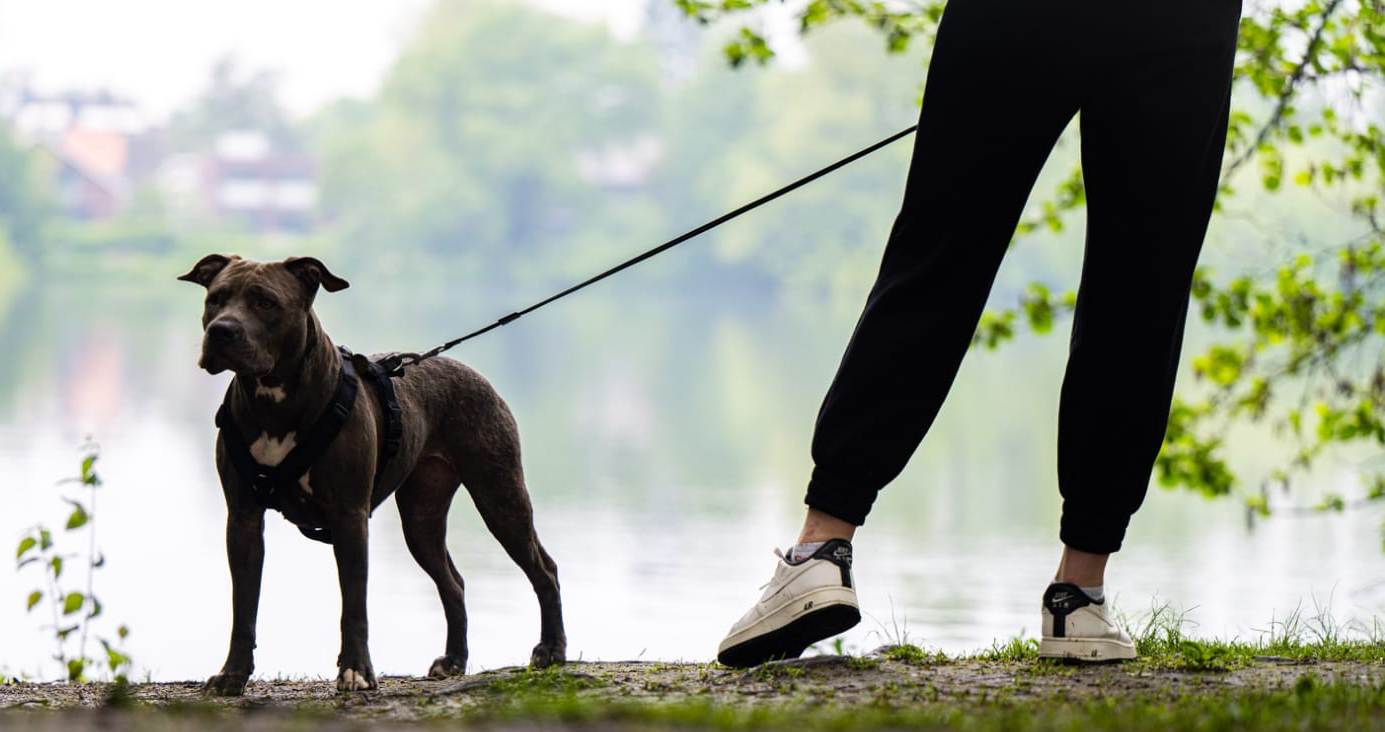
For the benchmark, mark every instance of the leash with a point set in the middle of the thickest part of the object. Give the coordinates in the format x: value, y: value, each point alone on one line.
x: 395, y: 364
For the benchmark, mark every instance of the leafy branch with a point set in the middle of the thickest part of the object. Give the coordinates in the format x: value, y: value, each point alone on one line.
x: 73, y: 611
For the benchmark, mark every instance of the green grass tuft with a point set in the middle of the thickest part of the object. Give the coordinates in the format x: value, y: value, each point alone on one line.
x: 1015, y: 650
x: 913, y: 655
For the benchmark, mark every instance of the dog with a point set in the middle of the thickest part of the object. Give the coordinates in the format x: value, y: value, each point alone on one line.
x: 451, y: 429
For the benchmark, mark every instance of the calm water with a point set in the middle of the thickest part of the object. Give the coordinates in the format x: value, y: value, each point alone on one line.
x: 666, y: 448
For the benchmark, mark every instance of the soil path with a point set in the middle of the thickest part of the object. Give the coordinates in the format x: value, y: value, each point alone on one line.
x: 837, y: 681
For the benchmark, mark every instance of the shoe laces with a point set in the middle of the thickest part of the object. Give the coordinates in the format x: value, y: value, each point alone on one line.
x: 780, y: 554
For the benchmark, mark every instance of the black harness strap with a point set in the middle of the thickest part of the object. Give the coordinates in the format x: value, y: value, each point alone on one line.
x: 271, y: 485
x: 381, y: 382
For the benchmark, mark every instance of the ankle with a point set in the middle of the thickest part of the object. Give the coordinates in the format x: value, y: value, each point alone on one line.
x: 1080, y: 568
x: 819, y: 526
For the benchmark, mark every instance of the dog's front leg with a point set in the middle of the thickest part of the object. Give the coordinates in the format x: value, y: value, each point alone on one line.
x: 349, y: 539
x: 245, y: 553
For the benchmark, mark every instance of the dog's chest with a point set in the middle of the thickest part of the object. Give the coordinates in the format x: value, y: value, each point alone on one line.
x: 303, y: 505
x: 270, y: 451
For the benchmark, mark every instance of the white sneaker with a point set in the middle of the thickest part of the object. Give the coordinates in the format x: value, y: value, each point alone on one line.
x: 804, y: 603
x: 1076, y: 627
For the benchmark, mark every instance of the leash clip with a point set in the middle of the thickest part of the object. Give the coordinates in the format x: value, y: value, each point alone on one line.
x: 394, y: 365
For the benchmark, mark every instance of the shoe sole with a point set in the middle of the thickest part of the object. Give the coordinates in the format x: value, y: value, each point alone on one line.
x: 1086, y: 650
x: 791, y: 640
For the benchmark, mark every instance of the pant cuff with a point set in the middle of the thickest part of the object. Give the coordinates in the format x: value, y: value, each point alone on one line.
x: 848, y: 502
x: 1094, y: 535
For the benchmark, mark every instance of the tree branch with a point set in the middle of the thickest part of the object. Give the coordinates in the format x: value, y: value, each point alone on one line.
x: 1282, y: 105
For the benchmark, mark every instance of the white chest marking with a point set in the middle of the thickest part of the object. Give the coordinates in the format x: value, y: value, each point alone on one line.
x: 275, y: 394
x: 270, y: 451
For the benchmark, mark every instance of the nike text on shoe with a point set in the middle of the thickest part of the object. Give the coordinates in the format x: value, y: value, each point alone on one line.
x: 804, y: 603
x: 1077, y: 627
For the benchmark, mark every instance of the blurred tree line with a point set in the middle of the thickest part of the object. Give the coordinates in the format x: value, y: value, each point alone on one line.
x: 25, y: 206
x: 507, y: 146
x: 516, y: 146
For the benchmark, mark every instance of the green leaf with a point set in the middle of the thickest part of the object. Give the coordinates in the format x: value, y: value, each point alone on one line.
x: 88, y: 474
x: 78, y: 518
x: 114, y: 658
x: 45, y: 538
x: 75, y: 667
x: 56, y: 564
x: 25, y: 545
x: 73, y: 602
x: 34, y: 597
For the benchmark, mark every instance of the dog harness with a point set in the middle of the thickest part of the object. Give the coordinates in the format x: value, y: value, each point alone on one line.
x: 272, y: 484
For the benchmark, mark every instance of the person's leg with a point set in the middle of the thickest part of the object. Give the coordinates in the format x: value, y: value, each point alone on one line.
x: 993, y: 106
x: 1151, y: 154
x: 1153, y: 133
x: 996, y: 99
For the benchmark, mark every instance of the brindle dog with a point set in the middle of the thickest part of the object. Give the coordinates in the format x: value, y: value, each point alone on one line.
x: 259, y: 323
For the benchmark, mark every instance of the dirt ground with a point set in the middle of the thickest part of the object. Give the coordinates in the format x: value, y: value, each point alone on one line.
x: 839, y: 681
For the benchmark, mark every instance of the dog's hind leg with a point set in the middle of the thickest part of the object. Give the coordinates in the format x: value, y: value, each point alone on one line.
x: 503, y: 502
x: 423, y: 501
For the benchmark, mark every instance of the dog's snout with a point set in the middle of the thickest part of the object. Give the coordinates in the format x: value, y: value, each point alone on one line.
x: 224, y: 332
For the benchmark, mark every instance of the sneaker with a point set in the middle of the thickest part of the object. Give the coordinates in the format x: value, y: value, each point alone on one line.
x: 1076, y: 627
x: 805, y: 602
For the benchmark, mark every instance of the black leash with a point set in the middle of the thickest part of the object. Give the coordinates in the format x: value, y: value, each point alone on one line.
x: 396, y: 363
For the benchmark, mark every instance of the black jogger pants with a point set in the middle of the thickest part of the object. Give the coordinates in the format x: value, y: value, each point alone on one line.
x: 1151, y: 84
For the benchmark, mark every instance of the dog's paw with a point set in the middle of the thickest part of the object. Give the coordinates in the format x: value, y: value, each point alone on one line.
x: 444, y: 666
x: 224, y: 684
x: 548, y: 654
x: 349, y: 679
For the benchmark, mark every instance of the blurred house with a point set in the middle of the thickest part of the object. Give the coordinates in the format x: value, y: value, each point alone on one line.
x: 100, y: 143
x: 244, y: 178
x: 105, y: 151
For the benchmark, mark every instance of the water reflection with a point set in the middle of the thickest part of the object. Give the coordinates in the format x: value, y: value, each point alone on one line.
x: 666, y: 448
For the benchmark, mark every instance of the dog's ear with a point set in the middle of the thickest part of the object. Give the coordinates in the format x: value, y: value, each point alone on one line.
x: 207, y: 268
x: 313, y: 272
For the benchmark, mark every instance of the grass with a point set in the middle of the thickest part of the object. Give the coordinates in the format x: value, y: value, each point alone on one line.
x: 1179, y: 682
x: 1161, y: 642
x: 1310, y: 703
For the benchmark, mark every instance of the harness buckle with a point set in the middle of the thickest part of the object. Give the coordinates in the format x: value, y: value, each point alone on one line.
x: 342, y: 411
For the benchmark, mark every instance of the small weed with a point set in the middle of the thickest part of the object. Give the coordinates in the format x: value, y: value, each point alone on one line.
x: 896, y: 633
x: 770, y: 672
x: 1197, y: 656
x: 73, y: 609
x: 912, y: 655
x: 863, y: 663
x: 1015, y: 650
x: 548, y: 681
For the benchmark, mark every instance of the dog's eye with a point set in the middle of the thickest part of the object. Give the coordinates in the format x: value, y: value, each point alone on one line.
x: 264, y: 303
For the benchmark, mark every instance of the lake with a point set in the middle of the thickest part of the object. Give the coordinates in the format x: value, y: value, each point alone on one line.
x: 666, y: 445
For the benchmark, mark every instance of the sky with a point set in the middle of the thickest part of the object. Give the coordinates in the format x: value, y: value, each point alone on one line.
x: 159, y: 52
